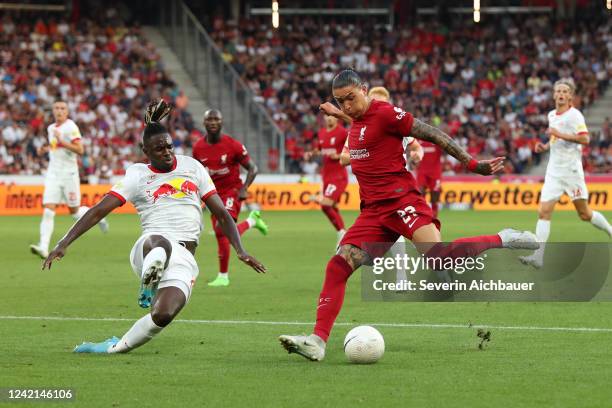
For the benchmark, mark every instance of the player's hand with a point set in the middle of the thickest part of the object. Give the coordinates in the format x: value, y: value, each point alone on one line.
x: 541, y: 147
x: 307, y: 155
x: 553, y: 132
x: 57, y: 253
x: 415, y: 157
x: 243, y: 194
x: 330, y: 109
x: 488, y: 167
x: 252, y: 262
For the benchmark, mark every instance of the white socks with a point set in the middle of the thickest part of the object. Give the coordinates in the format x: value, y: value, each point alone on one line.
x: 399, y: 248
x: 46, y: 228
x: 140, y: 333
x: 251, y: 222
x: 599, y: 221
x: 80, y: 212
x: 223, y: 275
x: 154, y: 255
x: 542, y: 234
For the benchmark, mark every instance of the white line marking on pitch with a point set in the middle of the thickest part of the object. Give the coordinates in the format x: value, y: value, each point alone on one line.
x: 272, y: 323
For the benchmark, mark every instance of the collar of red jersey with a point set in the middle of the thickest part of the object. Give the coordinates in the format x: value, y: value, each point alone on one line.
x: 155, y: 170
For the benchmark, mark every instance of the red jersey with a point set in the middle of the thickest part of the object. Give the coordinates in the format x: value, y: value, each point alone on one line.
x: 432, y: 158
x: 332, y: 141
x: 223, y: 160
x: 377, y: 154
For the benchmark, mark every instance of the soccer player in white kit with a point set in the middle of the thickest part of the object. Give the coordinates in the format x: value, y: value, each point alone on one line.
x: 62, y: 184
x: 564, y: 174
x: 167, y: 194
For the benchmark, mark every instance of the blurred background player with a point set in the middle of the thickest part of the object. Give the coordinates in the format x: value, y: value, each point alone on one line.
x: 329, y: 144
x: 391, y: 205
x: 62, y: 183
x: 222, y: 156
x: 429, y: 174
x: 564, y: 174
x: 167, y: 194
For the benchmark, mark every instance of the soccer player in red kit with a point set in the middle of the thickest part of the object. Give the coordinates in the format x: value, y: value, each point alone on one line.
x: 429, y: 173
x: 391, y: 204
x: 223, y: 156
x: 330, y: 142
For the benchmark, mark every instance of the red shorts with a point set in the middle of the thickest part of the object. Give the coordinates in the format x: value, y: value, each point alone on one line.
x: 231, y: 202
x: 384, y: 221
x: 333, y: 188
x: 429, y: 180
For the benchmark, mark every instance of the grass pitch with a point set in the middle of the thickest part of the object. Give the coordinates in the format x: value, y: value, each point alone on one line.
x: 224, y: 351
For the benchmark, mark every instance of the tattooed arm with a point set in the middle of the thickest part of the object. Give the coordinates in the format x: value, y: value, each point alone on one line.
x: 423, y: 131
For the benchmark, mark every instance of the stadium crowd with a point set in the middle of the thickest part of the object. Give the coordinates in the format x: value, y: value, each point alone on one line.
x: 489, y: 85
x: 106, y: 72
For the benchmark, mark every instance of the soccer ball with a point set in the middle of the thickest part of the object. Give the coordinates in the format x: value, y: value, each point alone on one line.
x: 364, y: 345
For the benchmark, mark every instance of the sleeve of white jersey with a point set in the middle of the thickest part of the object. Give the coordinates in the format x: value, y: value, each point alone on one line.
x: 578, y: 124
x: 127, y: 188
x: 205, y: 183
x: 74, y: 132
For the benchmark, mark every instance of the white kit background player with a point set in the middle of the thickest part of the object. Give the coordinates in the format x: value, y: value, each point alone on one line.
x: 564, y: 174
x: 167, y: 194
x: 62, y: 184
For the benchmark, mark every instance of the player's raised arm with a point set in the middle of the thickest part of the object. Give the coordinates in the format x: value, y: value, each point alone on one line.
x: 330, y: 109
x: 422, y: 130
x: 88, y: 220
x: 252, y: 171
x: 228, y: 226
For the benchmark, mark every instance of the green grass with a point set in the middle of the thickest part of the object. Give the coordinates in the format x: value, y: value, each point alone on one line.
x: 222, y: 364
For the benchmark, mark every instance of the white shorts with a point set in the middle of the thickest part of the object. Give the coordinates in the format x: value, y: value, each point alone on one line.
x: 182, y: 270
x: 555, y: 186
x: 62, y: 189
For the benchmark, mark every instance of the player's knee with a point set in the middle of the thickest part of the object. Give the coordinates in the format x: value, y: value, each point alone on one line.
x: 354, y: 256
x: 155, y: 241
x: 162, y: 318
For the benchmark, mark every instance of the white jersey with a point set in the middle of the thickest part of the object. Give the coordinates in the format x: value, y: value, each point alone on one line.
x: 407, y: 141
x: 566, y: 157
x: 62, y: 160
x: 169, y: 204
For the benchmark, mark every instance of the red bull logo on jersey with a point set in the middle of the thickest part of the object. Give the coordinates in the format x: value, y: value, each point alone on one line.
x: 176, y: 188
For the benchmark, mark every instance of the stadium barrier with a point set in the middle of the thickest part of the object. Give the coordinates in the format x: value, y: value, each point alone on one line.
x: 27, y: 200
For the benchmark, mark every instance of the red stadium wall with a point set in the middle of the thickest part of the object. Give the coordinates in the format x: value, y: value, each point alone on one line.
x: 490, y: 195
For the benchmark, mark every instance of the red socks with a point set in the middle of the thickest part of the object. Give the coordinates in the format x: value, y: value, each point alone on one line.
x: 434, y: 209
x: 334, y: 216
x: 332, y: 295
x: 465, y: 247
x: 223, y: 243
x: 243, y: 226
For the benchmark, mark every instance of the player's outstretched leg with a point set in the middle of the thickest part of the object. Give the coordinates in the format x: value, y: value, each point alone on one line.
x: 254, y: 220
x: 337, y: 273
x: 46, y: 230
x: 594, y: 217
x: 536, y: 259
x: 168, y: 303
x: 156, y: 251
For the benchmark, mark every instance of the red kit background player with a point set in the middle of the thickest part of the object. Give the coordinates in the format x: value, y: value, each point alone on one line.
x: 223, y: 156
x: 391, y: 205
x: 330, y: 141
x: 429, y: 173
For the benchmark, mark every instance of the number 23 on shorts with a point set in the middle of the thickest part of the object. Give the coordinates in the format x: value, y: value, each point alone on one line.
x: 407, y: 214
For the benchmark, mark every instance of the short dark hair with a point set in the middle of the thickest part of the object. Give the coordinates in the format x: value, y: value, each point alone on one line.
x: 347, y: 77
x: 156, y: 111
